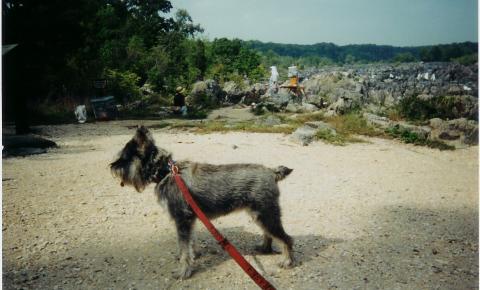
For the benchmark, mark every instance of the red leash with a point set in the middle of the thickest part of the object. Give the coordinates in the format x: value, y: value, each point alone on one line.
x: 226, y: 245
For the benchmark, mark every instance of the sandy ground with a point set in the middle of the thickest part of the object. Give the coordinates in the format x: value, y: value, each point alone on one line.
x: 377, y: 215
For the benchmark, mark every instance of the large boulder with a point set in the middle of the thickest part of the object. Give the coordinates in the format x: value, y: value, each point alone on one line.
x: 234, y: 92
x: 206, y: 94
x: 243, y: 93
x: 329, y: 87
x: 281, y: 98
x: 254, y: 93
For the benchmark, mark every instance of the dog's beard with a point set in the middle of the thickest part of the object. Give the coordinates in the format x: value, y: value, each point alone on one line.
x: 130, y: 173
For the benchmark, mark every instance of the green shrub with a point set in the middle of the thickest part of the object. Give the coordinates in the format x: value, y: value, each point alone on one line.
x: 329, y: 137
x: 123, y: 84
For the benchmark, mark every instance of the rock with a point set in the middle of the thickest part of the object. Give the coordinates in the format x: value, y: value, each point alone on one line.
x: 316, y: 100
x: 306, y: 134
x: 303, y: 135
x: 422, y: 131
x: 206, y: 93
x: 293, y: 108
x: 243, y: 93
x: 254, y: 93
x: 306, y: 107
x: 457, y: 132
x: 330, y: 113
x: 281, y: 99
x: 382, y: 122
x: 374, y: 84
x: 234, y: 92
x: 342, y: 105
x: 271, y: 120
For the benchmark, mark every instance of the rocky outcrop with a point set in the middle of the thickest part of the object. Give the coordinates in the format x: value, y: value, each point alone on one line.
x: 234, y: 92
x: 385, y: 85
x: 206, y: 94
x: 243, y: 93
x: 254, y: 93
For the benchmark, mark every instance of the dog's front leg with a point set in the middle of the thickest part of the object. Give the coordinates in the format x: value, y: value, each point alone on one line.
x: 184, y: 232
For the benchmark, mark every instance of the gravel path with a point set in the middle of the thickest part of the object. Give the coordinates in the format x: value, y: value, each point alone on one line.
x: 376, y: 215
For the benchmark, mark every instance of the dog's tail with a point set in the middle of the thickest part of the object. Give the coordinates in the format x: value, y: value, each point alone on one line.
x: 281, y: 172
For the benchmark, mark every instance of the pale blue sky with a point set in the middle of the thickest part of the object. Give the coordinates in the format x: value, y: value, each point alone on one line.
x: 392, y: 22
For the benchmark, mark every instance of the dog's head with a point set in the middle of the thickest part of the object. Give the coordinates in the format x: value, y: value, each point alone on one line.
x: 137, y: 160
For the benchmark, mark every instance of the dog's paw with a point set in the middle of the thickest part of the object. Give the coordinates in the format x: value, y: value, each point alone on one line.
x: 183, y: 273
x: 286, y: 264
x: 265, y: 250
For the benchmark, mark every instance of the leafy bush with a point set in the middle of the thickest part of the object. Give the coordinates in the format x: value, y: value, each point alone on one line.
x: 123, y: 84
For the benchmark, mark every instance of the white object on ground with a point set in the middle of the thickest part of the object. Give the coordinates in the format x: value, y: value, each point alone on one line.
x: 81, y: 114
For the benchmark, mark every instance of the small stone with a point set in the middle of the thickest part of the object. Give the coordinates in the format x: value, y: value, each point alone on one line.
x: 436, y: 269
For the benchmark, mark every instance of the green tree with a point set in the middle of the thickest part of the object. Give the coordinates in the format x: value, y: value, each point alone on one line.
x: 404, y: 57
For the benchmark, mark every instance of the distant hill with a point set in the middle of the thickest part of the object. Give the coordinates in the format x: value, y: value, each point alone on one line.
x: 369, y: 52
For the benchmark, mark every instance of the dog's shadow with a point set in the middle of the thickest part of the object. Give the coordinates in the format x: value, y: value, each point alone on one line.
x: 210, y: 253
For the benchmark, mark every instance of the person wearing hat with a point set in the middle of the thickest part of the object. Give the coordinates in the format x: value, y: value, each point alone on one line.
x: 179, y: 106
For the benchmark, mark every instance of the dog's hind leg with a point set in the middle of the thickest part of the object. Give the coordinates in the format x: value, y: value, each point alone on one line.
x: 266, y: 247
x: 184, y: 232
x: 269, y: 218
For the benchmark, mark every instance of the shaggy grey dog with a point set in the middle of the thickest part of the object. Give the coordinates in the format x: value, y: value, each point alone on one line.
x: 217, y: 189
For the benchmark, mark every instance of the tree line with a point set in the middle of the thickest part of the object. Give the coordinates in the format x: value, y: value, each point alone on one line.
x: 63, y: 46
x: 329, y: 53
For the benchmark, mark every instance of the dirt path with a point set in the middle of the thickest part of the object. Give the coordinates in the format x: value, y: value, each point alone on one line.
x: 365, y: 216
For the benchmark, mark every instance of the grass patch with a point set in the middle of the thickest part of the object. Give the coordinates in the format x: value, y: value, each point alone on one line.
x: 410, y: 137
x: 160, y: 125
x: 352, y: 123
x: 247, y: 126
x: 329, y: 137
x: 300, y: 119
x: 346, y: 126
